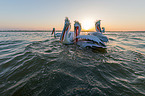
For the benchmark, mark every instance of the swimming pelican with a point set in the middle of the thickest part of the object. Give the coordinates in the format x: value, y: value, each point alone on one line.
x: 66, y: 36
x: 98, y: 28
x: 99, y: 32
x: 87, y: 40
x: 55, y: 34
x: 81, y: 40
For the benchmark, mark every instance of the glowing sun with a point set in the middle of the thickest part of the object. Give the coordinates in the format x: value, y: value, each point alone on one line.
x: 87, y: 24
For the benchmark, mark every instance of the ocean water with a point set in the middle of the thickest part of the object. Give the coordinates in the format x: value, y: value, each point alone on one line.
x: 36, y: 64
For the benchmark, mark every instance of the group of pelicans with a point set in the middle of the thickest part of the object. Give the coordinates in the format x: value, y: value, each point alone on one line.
x: 92, y: 40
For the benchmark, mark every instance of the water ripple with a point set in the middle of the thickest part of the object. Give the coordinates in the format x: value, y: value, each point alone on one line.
x: 46, y: 67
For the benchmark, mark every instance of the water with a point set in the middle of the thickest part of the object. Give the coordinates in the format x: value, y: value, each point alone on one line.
x: 36, y: 64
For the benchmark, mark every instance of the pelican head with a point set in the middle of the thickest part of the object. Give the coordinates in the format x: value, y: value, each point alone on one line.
x: 98, y: 22
x: 53, y: 31
x: 65, y: 29
x: 77, y: 29
x: 77, y: 26
x: 97, y: 26
x: 67, y: 21
x: 103, y: 29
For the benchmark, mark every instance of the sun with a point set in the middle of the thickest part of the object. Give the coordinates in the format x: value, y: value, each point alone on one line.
x: 87, y: 24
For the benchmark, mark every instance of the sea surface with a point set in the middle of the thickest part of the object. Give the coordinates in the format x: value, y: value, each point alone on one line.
x: 37, y: 64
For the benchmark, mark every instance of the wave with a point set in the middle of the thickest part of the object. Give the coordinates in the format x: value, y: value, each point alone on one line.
x: 47, y: 67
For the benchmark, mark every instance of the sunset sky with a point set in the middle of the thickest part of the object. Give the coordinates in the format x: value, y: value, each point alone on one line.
x: 116, y: 15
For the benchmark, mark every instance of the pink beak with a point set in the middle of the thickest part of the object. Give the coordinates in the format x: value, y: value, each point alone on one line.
x: 77, y: 33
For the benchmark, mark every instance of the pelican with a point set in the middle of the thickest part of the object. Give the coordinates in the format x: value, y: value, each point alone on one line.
x: 55, y: 34
x: 99, y: 32
x: 66, y: 36
x: 98, y: 28
x: 81, y: 40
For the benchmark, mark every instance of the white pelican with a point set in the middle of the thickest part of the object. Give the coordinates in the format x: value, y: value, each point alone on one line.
x: 99, y: 32
x: 81, y: 40
x: 66, y: 36
x: 55, y: 34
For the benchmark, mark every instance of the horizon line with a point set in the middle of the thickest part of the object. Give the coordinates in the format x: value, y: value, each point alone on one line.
x: 60, y: 31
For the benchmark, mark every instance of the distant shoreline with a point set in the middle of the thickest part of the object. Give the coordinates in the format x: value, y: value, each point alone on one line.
x: 56, y: 31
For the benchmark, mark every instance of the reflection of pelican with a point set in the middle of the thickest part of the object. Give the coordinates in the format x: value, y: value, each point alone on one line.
x: 81, y: 40
x: 55, y: 34
x: 99, y: 32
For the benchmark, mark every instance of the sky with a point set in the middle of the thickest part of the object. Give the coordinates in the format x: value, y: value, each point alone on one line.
x: 115, y: 15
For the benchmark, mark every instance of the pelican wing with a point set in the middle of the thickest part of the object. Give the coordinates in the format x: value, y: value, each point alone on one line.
x: 100, y: 36
x: 89, y: 44
x: 90, y: 37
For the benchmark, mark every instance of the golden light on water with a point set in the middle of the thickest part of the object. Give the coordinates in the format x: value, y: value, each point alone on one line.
x: 87, y: 24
